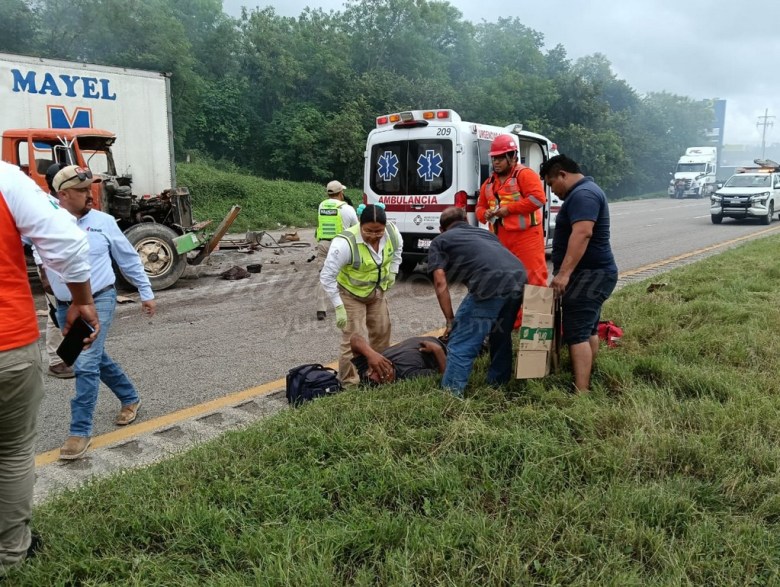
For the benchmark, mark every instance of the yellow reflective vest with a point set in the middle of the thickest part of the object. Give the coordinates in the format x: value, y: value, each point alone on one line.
x: 362, y: 274
x: 329, y: 223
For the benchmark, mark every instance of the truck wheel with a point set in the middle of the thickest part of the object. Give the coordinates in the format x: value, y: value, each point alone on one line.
x: 770, y: 212
x: 155, y: 246
x: 407, y: 268
x: 717, y: 218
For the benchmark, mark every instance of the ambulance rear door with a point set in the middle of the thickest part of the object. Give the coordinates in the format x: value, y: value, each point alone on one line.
x: 412, y: 171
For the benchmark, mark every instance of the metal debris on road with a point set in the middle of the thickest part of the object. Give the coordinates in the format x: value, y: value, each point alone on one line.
x: 253, y: 241
x: 289, y: 237
x: 234, y: 273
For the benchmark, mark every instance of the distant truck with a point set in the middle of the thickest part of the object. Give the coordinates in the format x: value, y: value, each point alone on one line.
x: 118, y: 123
x: 696, y: 173
x: 752, y: 192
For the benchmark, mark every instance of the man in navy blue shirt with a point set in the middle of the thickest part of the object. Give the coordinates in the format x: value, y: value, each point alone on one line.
x: 584, y: 269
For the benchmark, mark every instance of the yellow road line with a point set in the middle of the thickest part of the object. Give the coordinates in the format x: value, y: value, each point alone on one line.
x: 173, y: 418
x: 169, y: 419
x: 670, y: 260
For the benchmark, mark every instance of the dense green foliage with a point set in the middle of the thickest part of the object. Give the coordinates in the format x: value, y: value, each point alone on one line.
x: 265, y: 204
x: 294, y: 98
x: 667, y: 473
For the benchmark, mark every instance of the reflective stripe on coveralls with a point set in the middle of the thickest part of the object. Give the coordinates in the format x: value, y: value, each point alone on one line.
x: 508, y: 193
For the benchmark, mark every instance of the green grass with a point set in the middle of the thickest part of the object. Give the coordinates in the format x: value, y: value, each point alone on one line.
x: 668, y: 473
x: 265, y: 204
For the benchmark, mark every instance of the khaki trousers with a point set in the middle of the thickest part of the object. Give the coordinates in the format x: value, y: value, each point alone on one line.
x: 368, y: 317
x: 53, y: 334
x: 53, y: 340
x: 21, y: 391
x: 322, y: 252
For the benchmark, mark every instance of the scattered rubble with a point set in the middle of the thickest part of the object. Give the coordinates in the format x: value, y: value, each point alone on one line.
x: 234, y: 273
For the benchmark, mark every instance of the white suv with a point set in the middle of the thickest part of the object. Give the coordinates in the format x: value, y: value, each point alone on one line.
x: 751, y: 193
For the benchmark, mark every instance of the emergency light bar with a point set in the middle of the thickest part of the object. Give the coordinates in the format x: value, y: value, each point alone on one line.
x: 412, y: 116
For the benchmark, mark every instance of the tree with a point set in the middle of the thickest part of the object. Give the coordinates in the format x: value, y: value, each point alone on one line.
x: 17, y: 27
x: 296, y: 97
x: 142, y: 34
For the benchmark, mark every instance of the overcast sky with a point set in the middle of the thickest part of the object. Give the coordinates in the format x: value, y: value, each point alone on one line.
x: 699, y: 48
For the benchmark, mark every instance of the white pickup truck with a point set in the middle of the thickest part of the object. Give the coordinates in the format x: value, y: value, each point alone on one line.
x: 752, y: 192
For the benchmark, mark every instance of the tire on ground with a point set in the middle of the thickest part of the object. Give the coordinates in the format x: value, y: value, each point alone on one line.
x: 155, y: 246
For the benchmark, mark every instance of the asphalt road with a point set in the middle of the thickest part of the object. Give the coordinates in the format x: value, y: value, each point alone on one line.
x: 212, y: 337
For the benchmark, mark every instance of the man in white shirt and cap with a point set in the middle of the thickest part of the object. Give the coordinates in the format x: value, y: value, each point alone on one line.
x: 73, y: 185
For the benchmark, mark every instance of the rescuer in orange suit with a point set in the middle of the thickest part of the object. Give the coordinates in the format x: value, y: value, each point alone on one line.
x: 511, y: 202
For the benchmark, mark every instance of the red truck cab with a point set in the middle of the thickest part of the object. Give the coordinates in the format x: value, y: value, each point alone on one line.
x: 33, y: 150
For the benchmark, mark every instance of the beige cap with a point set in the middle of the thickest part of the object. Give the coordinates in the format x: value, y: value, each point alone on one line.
x: 73, y: 176
x: 335, y: 187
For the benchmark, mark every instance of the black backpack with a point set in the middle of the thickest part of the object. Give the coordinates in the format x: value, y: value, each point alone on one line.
x: 307, y: 382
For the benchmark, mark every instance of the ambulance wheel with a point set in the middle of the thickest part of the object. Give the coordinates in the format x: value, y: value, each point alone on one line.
x: 717, y: 218
x: 155, y: 246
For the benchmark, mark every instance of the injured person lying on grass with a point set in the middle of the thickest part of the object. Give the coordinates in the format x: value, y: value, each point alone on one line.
x: 418, y: 356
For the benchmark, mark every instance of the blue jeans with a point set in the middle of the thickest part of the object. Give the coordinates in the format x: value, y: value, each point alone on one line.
x: 475, y: 320
x: 93, y: 366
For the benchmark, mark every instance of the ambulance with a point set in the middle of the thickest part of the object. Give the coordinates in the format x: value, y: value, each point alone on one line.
x: 419, y: 162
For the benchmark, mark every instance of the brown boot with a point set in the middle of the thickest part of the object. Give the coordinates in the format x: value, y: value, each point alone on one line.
x: 74, y: 447
x: 61, y: 371
x: 127, y: 414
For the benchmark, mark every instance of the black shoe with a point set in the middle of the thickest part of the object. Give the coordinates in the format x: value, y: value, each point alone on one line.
x: 35, y: 545
x: 320, y: 315
x: 485, y: 348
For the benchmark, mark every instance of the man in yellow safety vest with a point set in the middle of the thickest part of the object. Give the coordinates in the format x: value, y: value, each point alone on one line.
x: 333, y: 217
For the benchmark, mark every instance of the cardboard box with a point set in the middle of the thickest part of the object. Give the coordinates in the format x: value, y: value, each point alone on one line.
x: 536, y: 331
x: 540, y: 300
x: 532, y: 364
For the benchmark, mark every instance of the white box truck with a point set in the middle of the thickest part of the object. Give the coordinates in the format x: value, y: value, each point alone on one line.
x: 696, y: 174
x: 117, y: 122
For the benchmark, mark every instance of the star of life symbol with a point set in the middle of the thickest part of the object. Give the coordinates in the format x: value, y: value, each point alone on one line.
x: 387, y: 165
x: 429, y: 165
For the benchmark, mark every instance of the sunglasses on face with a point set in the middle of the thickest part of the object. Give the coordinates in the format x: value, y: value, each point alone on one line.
x: 83, y: 174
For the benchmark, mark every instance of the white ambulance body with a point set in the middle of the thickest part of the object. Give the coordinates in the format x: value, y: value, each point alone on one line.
x: 419, y: 162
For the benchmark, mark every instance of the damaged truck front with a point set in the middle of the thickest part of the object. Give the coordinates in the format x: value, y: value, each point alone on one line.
x: 54, y: 109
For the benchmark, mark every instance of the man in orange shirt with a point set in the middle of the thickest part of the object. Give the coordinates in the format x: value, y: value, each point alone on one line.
x: 511, y: 202
x: 25, y: 211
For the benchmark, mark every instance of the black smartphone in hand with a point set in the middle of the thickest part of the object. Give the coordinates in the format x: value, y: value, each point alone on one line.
x: 73, y: 343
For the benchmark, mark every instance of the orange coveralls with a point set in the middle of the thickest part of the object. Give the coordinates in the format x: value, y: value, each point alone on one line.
x: 521, y: 231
